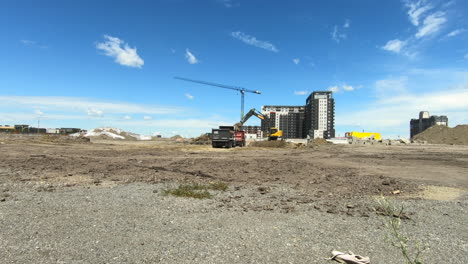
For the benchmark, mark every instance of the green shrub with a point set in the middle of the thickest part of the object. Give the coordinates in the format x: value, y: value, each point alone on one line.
x: 196, y: 190
x: 391, y: 215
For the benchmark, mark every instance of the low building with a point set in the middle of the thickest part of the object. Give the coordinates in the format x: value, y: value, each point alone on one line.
x: 425, y: 121
x: 66, y: 131
x: 7, y: 129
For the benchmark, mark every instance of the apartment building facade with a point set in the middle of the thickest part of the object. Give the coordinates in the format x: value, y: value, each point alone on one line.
x: 425, y: 121
x: 319, y: 120
x: 289, y: 119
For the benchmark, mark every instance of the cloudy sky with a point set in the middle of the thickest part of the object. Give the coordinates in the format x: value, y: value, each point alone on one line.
x: 111, y: 63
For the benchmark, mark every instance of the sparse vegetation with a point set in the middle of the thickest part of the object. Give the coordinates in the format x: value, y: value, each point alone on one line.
x: 196, y: 190
x: 392, y: 214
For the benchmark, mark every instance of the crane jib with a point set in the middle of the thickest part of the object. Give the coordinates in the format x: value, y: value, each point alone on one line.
x: 240, y: 89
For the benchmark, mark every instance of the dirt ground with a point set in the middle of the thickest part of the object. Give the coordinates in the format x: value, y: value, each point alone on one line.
x: 331, y: 179
x: 322, y: 172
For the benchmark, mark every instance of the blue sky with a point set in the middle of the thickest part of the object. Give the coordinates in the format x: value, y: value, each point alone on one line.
x: 111, y: 63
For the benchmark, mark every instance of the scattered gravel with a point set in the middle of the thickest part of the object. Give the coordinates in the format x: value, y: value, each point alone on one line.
x: 136, y: 223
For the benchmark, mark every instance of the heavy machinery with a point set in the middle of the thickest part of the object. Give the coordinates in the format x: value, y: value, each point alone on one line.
x: 234, y: 136
x: 223, y: 137
x: 273, y: 133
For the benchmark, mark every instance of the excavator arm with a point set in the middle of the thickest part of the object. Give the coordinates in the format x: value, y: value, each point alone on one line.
x: 272, y: 134
x: 252, y: 112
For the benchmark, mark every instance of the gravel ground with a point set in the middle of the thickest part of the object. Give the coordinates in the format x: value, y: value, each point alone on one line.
x: 136, y: 223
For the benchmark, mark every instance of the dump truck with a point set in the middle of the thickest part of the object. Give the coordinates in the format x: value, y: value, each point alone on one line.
x: 227, y: 137
x: 223, y: 137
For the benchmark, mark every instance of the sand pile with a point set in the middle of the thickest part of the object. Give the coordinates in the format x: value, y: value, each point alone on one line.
x: 444, y: 135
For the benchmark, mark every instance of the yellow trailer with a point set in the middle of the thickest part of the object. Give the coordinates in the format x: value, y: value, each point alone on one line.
x: 362, y: 135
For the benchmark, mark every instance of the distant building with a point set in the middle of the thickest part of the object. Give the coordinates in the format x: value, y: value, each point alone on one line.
x: 251, y: 129
x: 289, y: 119
x: 67, y: 131
x: 425, y: 121
x: 253, y: 132
x: 319, y: 121
x: 7, y: 129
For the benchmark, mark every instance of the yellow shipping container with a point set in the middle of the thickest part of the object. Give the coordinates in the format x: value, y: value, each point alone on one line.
x: 362, y: 135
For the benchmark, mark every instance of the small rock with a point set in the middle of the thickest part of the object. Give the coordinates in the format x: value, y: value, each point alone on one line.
x: 2, y: 199
x: 385, y: 183
x: 349, y: 206
x: 155, y: 191
x: 263, y: 190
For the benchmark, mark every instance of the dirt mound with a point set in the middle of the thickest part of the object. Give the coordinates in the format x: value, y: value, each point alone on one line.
x: 270, y: 144
x: 177, y: 138
x: 203, y: 139
x: 444, y: 135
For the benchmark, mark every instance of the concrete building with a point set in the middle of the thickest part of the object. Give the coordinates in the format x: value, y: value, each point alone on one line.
x: 289, y: 119
x: 319, y: 120
x: 253, y: 132
x: 425, y: 121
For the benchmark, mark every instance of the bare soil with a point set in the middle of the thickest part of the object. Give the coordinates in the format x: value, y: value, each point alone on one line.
x: 74, y: 201
x: 322, y: 172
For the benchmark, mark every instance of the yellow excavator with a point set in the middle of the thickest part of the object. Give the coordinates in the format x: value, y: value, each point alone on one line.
x: 273, y: 133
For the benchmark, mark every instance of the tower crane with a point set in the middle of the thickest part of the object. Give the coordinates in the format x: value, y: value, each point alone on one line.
x: 236, y: 88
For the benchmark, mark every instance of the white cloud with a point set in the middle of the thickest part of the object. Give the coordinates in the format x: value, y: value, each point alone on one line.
x: 416, y: 9
x: 455, y: 32
x: 347, y: 23
x: 227, y: 3
x: 95, y: 112
x: 296, y: 61
x: 348, y: 87
x: 118, y: 49
x: 27, y: 42
x: 392, y: 87
x: 394, y: 45
x: 334, y: 89
x: 393, y: 114
x: 301, y: 92
x: 189, y: 96
x: 190, y: 57
x: 250, y: 40
x: 147, y: 118
x: 432, y: 24
x: 336, y: 35
x: 39, y: 112
x: 84, y: 105
x: 127, y: 117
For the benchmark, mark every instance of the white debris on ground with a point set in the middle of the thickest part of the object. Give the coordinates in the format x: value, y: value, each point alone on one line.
x: 113, y: 133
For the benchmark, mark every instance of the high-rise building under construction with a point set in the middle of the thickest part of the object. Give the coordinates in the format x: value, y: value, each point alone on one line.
x: 314, y: 120
x: 289, y: 119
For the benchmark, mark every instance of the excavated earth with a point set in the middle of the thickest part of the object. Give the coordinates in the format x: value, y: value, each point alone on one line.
x: 74, y: 201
